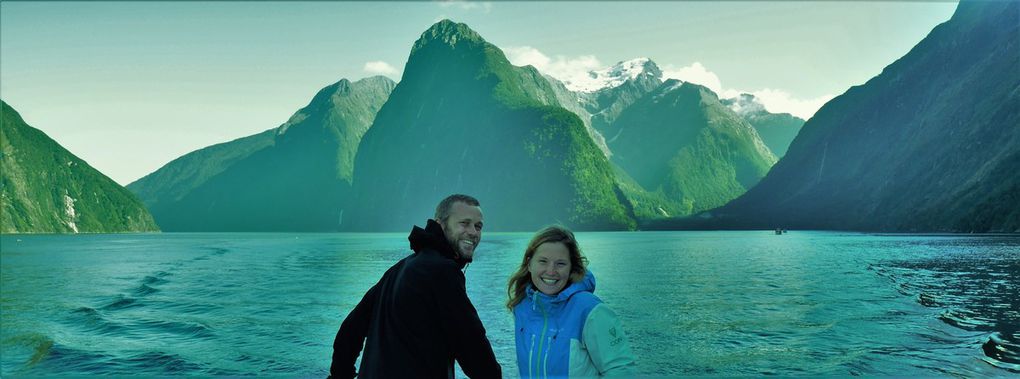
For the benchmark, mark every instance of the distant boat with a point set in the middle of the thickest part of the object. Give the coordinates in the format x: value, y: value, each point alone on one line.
x: 779, y: 231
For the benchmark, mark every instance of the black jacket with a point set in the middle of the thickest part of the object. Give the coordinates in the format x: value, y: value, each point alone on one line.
x: 417, y: 320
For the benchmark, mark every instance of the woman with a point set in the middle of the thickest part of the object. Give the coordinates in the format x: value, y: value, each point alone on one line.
x: 562, y: 328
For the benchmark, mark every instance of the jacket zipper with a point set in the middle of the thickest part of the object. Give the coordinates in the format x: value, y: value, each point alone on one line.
x: 531, y: 352
x: 541, y: 340
x: 545, y: 326
x: 545, y: 364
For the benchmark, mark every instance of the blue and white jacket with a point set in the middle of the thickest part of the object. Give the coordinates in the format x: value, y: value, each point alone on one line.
x: 572, y: 334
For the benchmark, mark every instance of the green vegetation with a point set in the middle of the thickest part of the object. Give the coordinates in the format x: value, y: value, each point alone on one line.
x: 685, y: 152
x: 296, y: 177
x: 777, y: 130
x: 46, y: 189
x: 928, y: 145
x: 463, y: 119
x: 169, y: 184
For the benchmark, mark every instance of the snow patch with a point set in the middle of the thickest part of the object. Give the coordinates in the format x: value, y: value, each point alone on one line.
x: 610, y: 77
x: 665, y: 91
x: 71, y: 214
x: 581, y: 74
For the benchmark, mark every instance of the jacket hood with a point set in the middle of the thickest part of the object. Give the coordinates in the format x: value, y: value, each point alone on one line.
x: 432, y: 238
x: 585, y: 285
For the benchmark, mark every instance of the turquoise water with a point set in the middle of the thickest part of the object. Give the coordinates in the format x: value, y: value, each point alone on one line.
x: 693, y: 303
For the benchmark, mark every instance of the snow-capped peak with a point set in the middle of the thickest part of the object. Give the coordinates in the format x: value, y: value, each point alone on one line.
x: 613, y: 76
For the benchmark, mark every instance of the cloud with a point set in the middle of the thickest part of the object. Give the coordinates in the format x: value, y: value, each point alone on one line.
x: 484, y: 6
x: 774, y: 100
x: 573, y: 70
x: 779, y: 101
x: 380, y: 68
x: 695, y: 73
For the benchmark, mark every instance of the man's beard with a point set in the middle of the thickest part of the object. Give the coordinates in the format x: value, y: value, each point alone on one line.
x: 455, y: 244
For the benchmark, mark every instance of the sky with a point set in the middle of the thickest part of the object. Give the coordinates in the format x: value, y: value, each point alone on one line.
x: 130, y: 86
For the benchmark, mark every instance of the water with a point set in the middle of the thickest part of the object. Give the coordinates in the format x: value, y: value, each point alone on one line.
x: 693, y: 303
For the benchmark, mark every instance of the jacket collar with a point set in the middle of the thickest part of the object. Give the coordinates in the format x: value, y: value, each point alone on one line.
x: 432, y: 238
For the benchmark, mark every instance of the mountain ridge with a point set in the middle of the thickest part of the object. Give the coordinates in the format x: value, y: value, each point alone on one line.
x: 463, y: 112
x: 45, y: 188
x: 912, y: 149
x: 295, y: 177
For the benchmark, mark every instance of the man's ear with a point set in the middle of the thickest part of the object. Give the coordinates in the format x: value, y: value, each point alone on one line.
x: 441, y: 224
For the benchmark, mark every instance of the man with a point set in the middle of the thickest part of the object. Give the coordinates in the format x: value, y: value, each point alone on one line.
x: 418, y: 319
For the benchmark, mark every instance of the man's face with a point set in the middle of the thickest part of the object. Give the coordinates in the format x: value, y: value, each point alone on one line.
x: 463, y: 230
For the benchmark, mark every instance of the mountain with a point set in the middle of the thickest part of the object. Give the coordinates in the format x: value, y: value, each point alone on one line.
x: 573, y: 102
x: 603, y: 94
x: 46, y: 189
x: 296, y: 177
x: 777, y: 130
x: 931, y: 144
x: 619, y: 86
x: 687, y: 150
x: 463, y: 119
x: 167, y: 185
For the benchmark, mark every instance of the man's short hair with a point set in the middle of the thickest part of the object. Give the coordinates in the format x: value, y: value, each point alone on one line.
x: 443, y: 209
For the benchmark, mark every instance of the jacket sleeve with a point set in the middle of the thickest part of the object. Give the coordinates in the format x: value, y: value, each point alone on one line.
x: 607, y: 344
x: 471, y: 348
x: 351, y: 336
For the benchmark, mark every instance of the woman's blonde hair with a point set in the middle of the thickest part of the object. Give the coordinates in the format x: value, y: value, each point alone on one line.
x: 521, y: 279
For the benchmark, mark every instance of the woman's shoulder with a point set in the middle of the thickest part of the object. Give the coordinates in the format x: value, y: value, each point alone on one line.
x: 584, y: 301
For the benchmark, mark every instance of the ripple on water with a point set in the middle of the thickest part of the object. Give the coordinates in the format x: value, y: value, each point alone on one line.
x: 178, y: 328
x: 121, y: 302
x: 967, y: 320
x: 193, y: 308
x: 153, y: 280
x: 92, y: 320
x: 967, y: 286
x: 715, y: 306
x: 157, y: 361
x: 70, y: 360
x: 1003, y: 351
x: 928, y: 300
x: 144, y: 289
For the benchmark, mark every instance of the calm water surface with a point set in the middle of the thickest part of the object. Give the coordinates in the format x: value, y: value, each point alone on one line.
x: 693, y: 303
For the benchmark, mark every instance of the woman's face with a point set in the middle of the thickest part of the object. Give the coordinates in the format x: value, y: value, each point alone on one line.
x: 550, y: 267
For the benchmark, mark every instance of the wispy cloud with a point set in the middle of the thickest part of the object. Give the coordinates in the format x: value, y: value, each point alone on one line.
x: 779, y: 101
x: 695, y: 73
x: 774, y: 100
x: 577, y: 70
x: 574, y: 70
x: 380, y: 68
x: 483, y: 6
